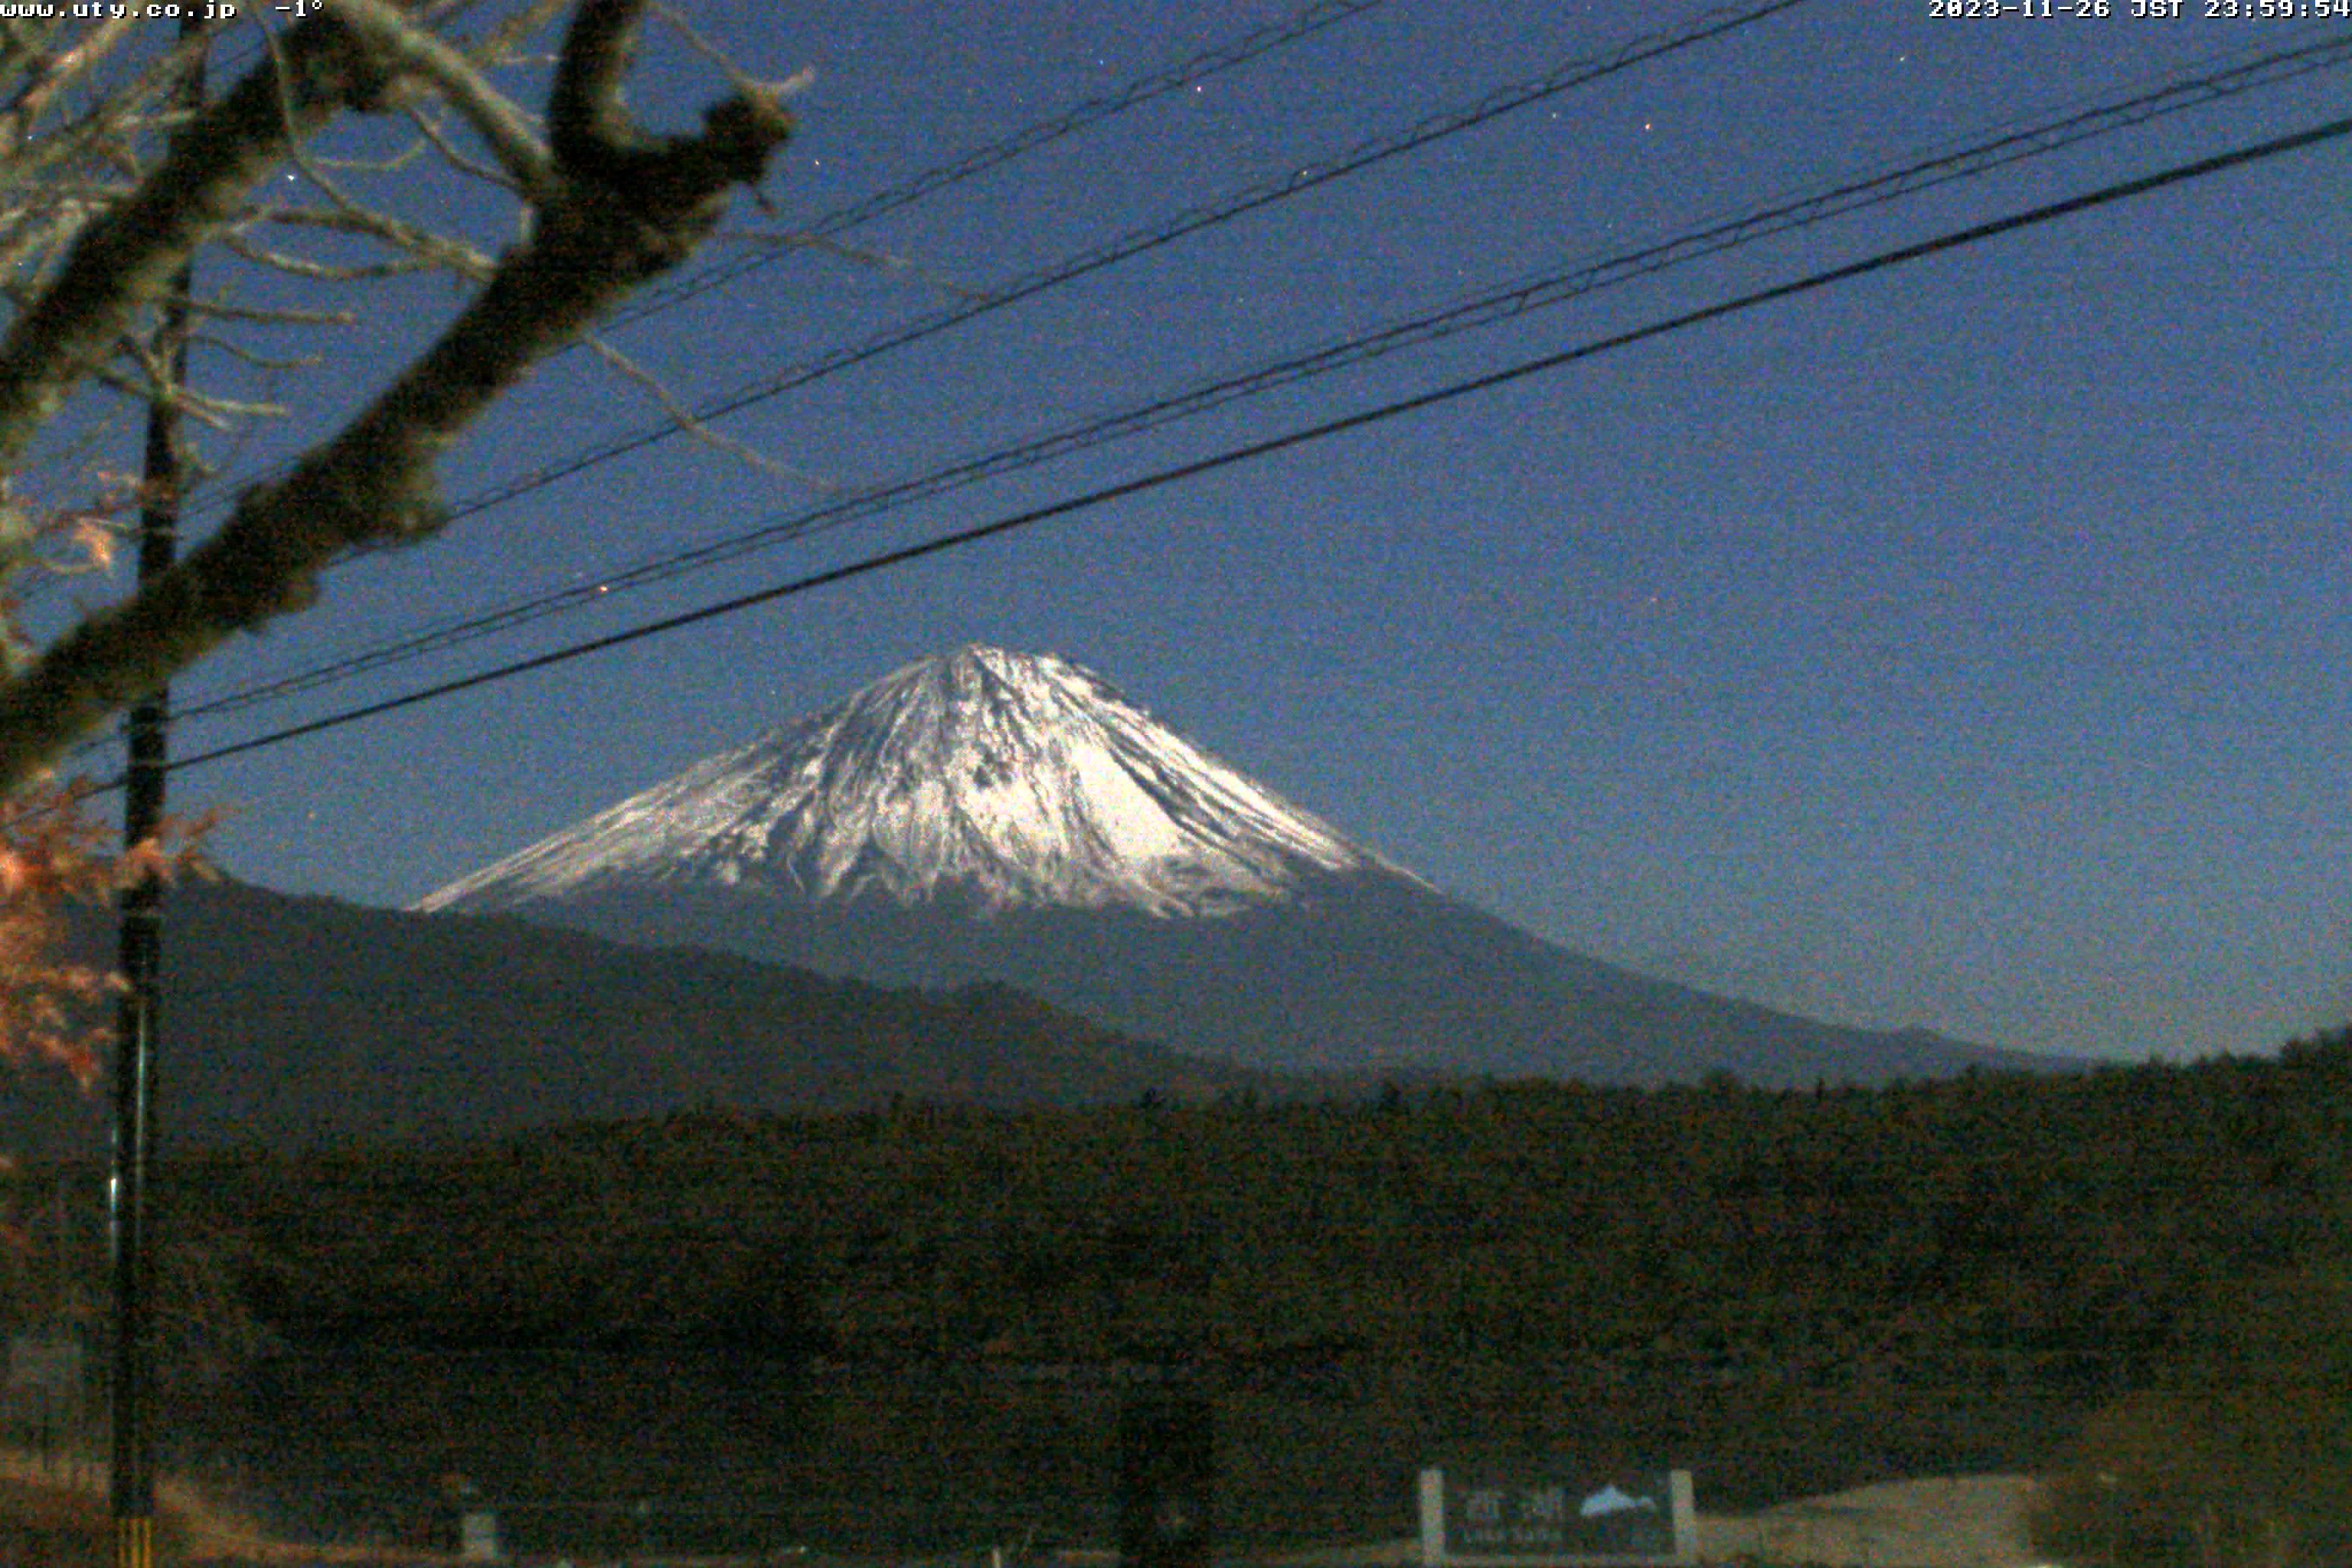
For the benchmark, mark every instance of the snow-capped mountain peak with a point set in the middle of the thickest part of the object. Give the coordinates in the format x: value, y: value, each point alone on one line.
x: 1007, y: 779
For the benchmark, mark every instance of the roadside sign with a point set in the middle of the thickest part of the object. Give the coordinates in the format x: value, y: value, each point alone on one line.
x: 1529, y: 1517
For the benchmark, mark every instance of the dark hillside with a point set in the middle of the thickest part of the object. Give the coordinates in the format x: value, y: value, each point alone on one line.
x: 308, y: 1023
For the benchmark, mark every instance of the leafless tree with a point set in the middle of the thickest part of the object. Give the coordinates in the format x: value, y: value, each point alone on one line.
x: 109, y: 185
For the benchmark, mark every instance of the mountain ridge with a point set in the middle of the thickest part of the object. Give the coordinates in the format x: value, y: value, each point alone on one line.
x: 1198, y: 908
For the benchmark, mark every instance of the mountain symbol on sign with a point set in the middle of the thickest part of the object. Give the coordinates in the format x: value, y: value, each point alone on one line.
x: 1610, y: 1500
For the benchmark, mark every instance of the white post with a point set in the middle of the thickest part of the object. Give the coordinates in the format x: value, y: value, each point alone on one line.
x: 1686, y: 1507
x: 478, y: 1536
x: 1433, y: 1518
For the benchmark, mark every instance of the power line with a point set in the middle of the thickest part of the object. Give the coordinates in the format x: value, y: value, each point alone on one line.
x: 1787, y: 215
x: 1369, y: 153
x: 1163, y: 477
x: 1211, y: 62
x: 1301, y: 179
x: 1502, y: 100
x: 1133, y: 95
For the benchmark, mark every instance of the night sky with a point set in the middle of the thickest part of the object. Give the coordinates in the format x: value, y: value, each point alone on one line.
x: 1960, y: 645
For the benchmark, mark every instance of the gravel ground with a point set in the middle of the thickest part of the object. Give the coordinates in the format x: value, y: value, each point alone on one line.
x: 1949, y: 1522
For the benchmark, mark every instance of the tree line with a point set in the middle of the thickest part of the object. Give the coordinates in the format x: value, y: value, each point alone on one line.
x: 2061, y: 1227
x: 2164, y: 1251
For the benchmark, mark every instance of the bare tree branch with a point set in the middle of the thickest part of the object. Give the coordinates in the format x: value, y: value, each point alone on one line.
x: 329, y: 271
x: 701, y: 430
x: 31, y: 160
x: 390, y: 164
x: 450, y: 153
x: 501, y: 126
x: 624, y: 207
x: 498, y: 46
x: 273, y: 316
x: 127, y: 259
x: 245, y: 356
x: 421, y: 244
x: 57, y: 72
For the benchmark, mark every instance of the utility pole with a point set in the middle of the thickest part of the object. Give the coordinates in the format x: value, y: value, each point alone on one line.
x: 129, y: 1247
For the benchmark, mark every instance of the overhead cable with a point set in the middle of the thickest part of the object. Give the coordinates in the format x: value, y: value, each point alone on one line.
x: 1211, y: 62
x: 1179, y: 473
x: 1488, y: 309
x: 1301, y: 179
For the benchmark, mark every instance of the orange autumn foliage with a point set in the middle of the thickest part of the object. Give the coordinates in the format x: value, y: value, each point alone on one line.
x: 55, y: 848
x: 53, y: 856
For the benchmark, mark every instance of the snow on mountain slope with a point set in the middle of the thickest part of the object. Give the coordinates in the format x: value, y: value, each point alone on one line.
x: 1007, y: 779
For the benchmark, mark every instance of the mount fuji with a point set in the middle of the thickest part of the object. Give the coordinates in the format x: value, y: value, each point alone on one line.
x: 988, y: 815
x: 987, y: 779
